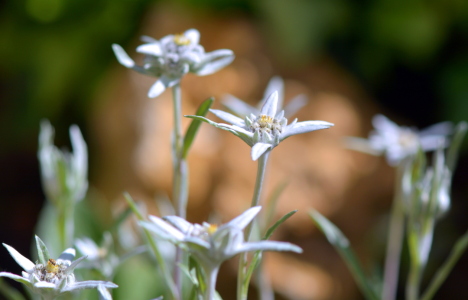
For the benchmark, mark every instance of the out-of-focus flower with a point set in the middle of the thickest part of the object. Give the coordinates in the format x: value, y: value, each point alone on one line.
x: 50, y: 278
x: 101, y: 257
x: 241, y: 109
x: 172, y: 57
x: 399, y: 142
x: 426, y: 189
x: 265, y: 131
x: 64, y: 174
x: 209, y: 244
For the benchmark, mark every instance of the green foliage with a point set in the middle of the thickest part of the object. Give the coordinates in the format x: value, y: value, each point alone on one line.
x: 195, y: 125
x: 342, y: 245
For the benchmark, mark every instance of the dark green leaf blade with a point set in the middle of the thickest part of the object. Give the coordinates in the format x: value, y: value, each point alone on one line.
x: 195, y: 125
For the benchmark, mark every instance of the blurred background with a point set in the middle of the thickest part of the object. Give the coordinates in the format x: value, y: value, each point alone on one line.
x: 405, y: 59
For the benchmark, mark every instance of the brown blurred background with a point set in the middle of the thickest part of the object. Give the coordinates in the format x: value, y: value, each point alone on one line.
x: 408, y: 60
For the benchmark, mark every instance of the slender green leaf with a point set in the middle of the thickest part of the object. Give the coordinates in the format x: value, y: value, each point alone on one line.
x: 195, y: 267
x: 457, y: 139
x: 42, y: 251
x: 342, y: 245
x: 195, y: 125
x: 190, y: 275
x: 258, y: 254
x: 278, y: 223
x: 458, y: 249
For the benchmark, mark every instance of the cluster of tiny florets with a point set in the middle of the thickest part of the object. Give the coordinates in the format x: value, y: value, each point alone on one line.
x: 408, y: 138
x: 181, y: 40
x: 51, y: 272
x: 264, y: 123
x: 204, y: 231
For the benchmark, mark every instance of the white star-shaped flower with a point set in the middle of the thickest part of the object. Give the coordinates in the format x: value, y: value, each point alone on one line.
x: 211, y: 244
x: 399, y: 142
x: 50, y: 278
x: 266, y: 130
x: 172, y: 57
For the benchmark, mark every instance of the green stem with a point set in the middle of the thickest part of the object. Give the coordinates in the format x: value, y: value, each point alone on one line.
x: 264, y: 285
x: 211, y: 275
x: 413, y: 281
x: 180, y: 176
x: 242, y: 287
x: 65, y: 223
x: 444, y: 271
x: 394, y: 242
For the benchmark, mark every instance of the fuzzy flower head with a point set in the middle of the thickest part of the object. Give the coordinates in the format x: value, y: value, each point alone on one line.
x: 400, y: 142
x: 276, y: 84
x: 100, y: 257
x: 265, y: 130
x: 426, y: 189
x: 210, y: 244
x: 64, y: 175
x: 172, y: 57
x: 49, y: 277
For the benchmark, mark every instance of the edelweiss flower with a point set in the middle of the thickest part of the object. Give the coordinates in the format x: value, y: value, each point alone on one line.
x: 50, y: 277
x: 64, y: 174
x: 426, y: 189
x: 266, y: 130
x: 241, y: 109
x: 209, y: 244
x: 101, y: 257
x: 399, y: 142
x: 174, y: 56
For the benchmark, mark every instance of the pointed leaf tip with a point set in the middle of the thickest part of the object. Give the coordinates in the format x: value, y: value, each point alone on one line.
x: 258, y: 150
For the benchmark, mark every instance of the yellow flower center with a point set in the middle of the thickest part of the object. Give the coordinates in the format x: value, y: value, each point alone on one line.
x: 265, y: 121
x: 52, y: 266
x: 212, y: 228
x: 181, y: 40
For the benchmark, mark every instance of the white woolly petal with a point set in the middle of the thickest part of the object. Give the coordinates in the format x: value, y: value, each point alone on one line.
x: 214, y: 61
x: 295, y: 104
x: 165, y: 227
x: 45, y: 285
x: 122, y: 56
x: 161, y: 85
x: 303, y: 127
x: 268, y: 246
x: 276, y: 84
x: 15, y: 277
x: 238, y: 106
x: 228, y: 117
x: 245, y: 135
x: 24, y: 263
x: 258, y: 149
x: 383, y: 124
x: 179, y: 223
x: 67, y: 256
x: 241, y: 221
x: 148, y: 39
x: 361, y: 145
x: 193, y: 35
x: 153, y: 49
x: 271, y: 105
x: 443, y: 128
x: 89, y: 284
